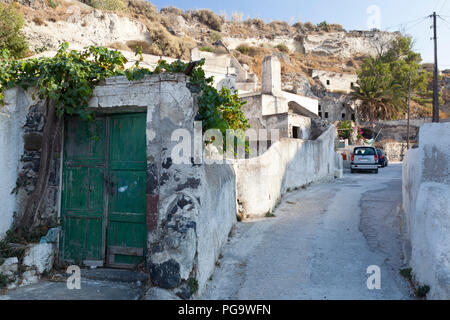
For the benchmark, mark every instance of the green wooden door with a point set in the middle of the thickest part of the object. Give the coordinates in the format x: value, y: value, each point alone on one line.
x: 104, y: 185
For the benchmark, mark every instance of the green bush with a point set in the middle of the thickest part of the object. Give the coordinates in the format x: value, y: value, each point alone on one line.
x: 11, y: 36
x: 112, y: 5
x: 324, y: 26
x: 215, y: 36
x: 283, y: 48
x: 206, y: 49
x: 53, y: 4
x: 243, y: 48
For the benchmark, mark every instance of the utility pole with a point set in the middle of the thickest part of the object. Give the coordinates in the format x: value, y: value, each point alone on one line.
x: 409, y: 112
x: 435, y: 80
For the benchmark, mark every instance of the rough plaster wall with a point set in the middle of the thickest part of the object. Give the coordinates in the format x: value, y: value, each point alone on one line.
x: 340, y: 82
x: 304, y: 123
x: 191, y: 207
x: 217, y: 217
x: 395, y: 151
x: 310, y: 104
x: 12, y: 120
x: 288, y: 164
x: 426, y: 203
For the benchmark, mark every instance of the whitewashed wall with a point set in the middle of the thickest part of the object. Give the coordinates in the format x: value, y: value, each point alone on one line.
x: 426, y: 203
x: 12, y: 120
x: 288, y: 164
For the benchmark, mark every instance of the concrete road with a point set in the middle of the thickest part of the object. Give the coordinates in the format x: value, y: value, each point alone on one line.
x: 96, y: 284
x: 320, y: 244
x: 90, y: 290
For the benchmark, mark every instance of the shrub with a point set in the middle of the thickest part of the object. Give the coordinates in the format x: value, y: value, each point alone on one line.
x: 53, y: 4
x: 143, y: 8
x: 209, y: 18
x: 172, y: 10
x: 277, y: 25
x: 139, y: 44
x: 11, y: 36
x: 283, y: 48
x: 166, y: 44
x: 336, y: 27
x: 112, y: 5
x: 309, y: 26
x: 39, y: 21
x: 119, y: 46
x: 215, y: 36
x: 298, y: 25
x: 324, y: 26
x: 206, y: 49
x: 243, y: 48
x: 5, y: 280
x: 422, y: 291
x: 259, y: 23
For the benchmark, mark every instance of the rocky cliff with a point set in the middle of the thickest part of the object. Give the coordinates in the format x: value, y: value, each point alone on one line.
x: 171, y: 32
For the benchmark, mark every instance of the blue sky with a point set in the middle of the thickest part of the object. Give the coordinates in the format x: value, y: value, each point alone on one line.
x: 403, y: 15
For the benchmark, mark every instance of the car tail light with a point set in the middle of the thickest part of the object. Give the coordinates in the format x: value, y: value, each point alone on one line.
x: 381, y: 157
x: 376, y: 158
x: 353, y: 157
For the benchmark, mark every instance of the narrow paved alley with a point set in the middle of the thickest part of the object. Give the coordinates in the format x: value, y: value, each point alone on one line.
x: 319, y: 244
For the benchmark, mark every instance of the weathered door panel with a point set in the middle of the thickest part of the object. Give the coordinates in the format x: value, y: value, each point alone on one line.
x: 83, y: 191
x: 126, y: 235
x: 104, y: 186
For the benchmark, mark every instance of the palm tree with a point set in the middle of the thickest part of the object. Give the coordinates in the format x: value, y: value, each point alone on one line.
x: 378, y: 90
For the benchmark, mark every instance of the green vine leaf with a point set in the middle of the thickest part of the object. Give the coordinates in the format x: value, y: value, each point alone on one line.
x: 70, y: 76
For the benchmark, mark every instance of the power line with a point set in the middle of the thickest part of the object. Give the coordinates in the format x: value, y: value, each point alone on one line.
x: 443, y: 5
x: 447, y: 24
x: 405, y: 23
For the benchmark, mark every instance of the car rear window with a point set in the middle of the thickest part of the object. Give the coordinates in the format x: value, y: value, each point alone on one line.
x: 364, y: 151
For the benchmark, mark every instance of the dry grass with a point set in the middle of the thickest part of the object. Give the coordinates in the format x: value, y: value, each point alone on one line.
x: 172, y: 10
x: 39, y: 21
x: 258, y: 23
x: 208, y: 18
x: 142, y: 9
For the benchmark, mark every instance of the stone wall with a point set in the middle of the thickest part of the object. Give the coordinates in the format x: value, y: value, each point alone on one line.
x: 426, y: 203
x: 333, y: 81
x: 394, y: 150
x: 191, y: 205
x: 23, y: 121
x: 287, y: 165
x: 12, y: 118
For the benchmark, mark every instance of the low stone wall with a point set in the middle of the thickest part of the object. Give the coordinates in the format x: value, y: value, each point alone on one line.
x: 394, y: 150
x: 426, y: 203
x: 287, y: 165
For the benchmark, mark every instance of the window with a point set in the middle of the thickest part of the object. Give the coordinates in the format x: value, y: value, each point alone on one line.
x: 320, y: 107
x: 343, y: 116
x: 364, y: 151
x: 328, y: 82
x: 353, y: 117
x: 352, y: 85
x: 320, y: 114
x: 326, y: 115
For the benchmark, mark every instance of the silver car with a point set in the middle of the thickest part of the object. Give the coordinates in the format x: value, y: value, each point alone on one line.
x: 364, y: 159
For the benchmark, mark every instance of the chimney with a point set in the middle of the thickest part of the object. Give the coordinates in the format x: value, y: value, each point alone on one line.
x: 271, y: 76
